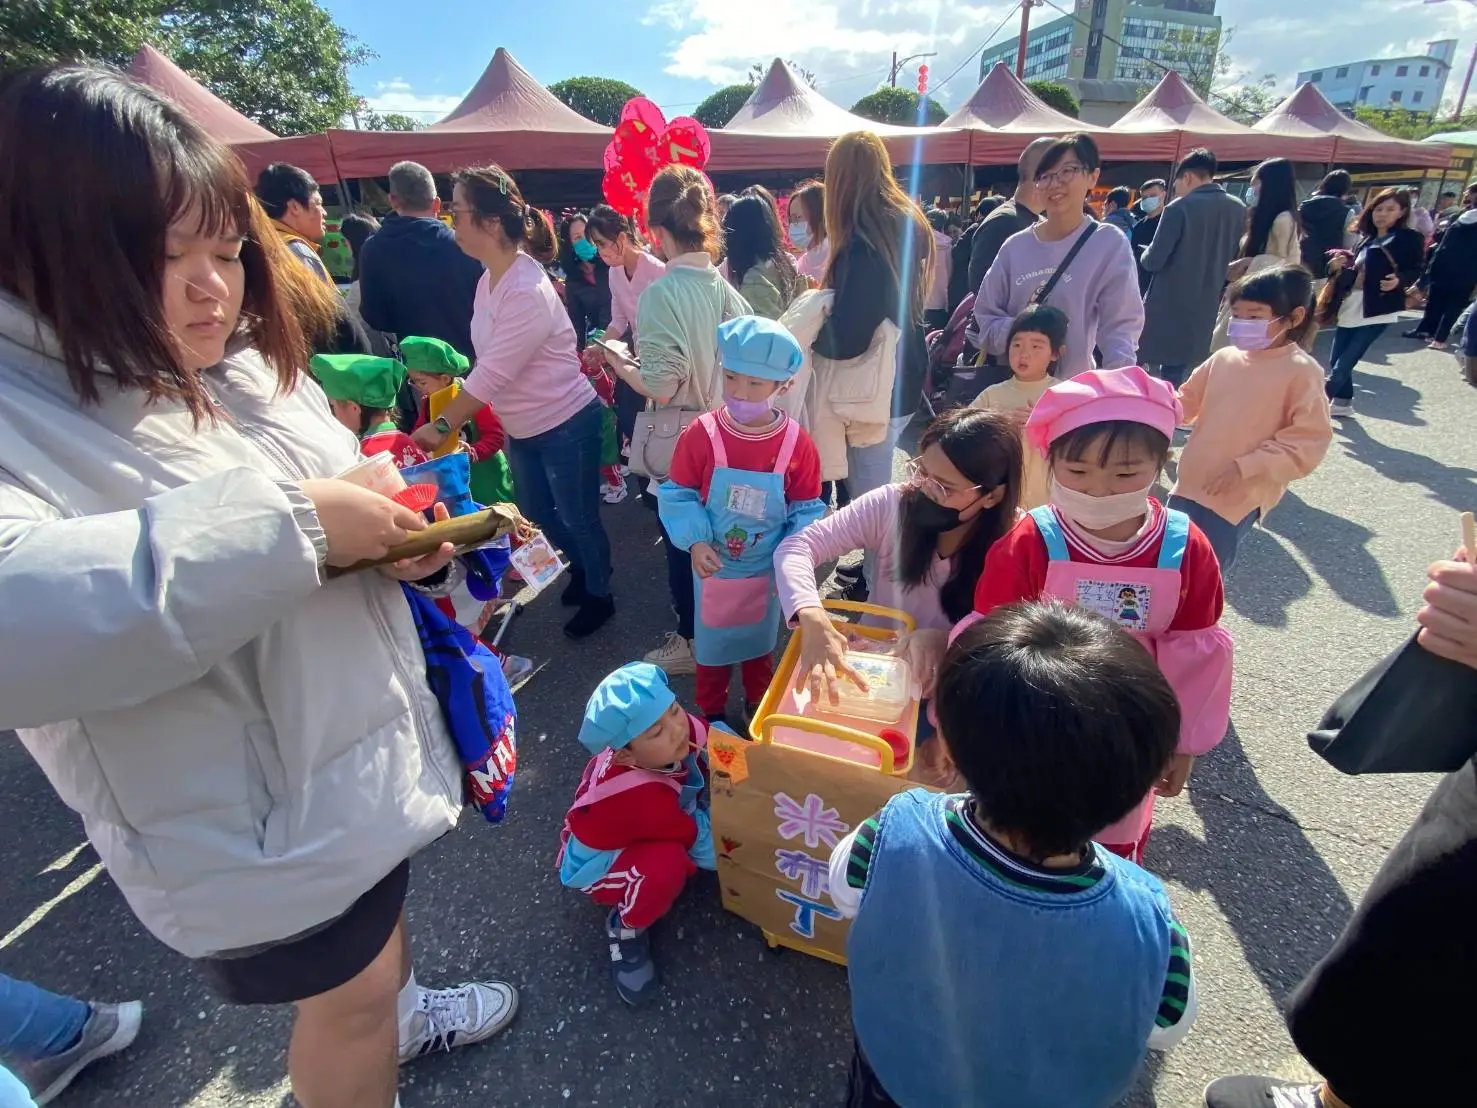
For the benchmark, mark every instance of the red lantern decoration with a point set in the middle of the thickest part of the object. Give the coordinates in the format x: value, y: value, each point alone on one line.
x: 923, y: 80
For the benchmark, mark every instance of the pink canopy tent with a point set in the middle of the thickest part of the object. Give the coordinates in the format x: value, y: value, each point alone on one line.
x: 786, y: 124
x: 1307, y: 112
x: 1003, y: 116
x: 253, y: 144
x: 1174, y: 108
x: 507, y: 118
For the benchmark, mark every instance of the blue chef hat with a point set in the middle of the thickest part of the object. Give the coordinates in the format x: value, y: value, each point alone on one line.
x: 759, y: 347
x: 623, y: 705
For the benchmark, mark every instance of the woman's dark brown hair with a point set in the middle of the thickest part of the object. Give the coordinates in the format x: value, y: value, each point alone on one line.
x: 985, y: 446
x: 1366, y: 226
x: 681, y: 203
x: 494, y: 195
x: 812, y: 198
x: 90, y: 262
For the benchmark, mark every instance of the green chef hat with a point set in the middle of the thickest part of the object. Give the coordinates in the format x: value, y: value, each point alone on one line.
x: 369, y: 382
x: 433, y: 356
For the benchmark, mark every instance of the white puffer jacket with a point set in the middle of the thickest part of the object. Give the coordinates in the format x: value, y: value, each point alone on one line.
x: 250, y: 749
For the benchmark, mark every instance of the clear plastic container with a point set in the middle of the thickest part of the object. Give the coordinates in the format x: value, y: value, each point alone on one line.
x: 890, y: 690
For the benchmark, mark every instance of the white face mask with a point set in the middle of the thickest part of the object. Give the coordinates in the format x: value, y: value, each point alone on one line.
x: 1098, y: 513
x: 800, y: 234
x: 1150, y: 204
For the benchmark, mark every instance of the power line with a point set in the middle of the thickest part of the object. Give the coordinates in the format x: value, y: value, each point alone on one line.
x: 980, y: 49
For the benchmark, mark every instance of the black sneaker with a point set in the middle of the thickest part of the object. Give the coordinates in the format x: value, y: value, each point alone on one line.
x: 1415, y: 333
x: 635, y: 975
x: 593, y: 614
x: 1262, y: 1092
x: 574, y: 593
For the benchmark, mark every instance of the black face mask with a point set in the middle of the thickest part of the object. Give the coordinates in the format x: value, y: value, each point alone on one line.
x: 928, y: 516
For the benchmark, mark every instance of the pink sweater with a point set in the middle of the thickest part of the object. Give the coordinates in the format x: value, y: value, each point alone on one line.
x: 526, y: 368
x: 870, y: 523
x: 625, y: 291
x: 1263, y: 412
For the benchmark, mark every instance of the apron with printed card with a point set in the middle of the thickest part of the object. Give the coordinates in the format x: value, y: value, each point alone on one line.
x: 738, y: 611
x: 1141, y: 601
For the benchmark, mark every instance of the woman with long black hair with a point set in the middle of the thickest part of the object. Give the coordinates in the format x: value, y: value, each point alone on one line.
x: 1271, y: 237
x: 758, y: 265
x: 586, y: 278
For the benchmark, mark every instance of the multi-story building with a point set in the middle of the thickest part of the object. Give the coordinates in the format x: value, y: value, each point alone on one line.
x: 1118, y: 40
x: 1416, y: 83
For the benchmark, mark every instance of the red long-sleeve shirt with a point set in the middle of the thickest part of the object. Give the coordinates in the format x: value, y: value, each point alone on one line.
x: 490, y: 433
x: 1015, y: 570
x: 397, y: 443
x: 693, y: 463
x: 647, y: 813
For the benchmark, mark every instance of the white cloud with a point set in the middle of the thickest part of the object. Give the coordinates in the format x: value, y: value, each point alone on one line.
x: 399, y: 96
x: 849, y: 45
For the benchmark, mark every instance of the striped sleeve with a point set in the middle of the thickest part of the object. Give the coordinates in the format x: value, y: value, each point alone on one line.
x: 850, y: 861
x: 1177, y: 1004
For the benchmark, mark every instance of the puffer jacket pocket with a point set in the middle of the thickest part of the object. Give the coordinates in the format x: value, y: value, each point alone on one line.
x: 267, y: 791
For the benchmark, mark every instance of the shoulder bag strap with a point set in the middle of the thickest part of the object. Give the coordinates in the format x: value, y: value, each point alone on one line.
x: 1046, y: 289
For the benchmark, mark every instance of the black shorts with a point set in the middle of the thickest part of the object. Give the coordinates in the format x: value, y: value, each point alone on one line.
x: 314, y: 963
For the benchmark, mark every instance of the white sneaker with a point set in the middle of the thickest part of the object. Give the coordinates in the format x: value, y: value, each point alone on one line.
x: 625, y: 470
x: 614, y: 494
x: 674, y: 656
x: 448, y: 1018
x: 1341, y: 408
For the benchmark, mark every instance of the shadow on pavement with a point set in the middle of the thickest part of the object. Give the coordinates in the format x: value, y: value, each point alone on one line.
x: 1266, y: 580
x: 1454, y: 486
x: 1337, y: 549
x: 1284, y: 910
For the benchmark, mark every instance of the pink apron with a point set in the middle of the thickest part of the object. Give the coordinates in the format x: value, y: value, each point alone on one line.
x: 1142, y: 601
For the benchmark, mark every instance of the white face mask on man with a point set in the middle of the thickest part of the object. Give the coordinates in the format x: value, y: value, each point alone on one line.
x: 1150, y: 204
x: 1098, y: 513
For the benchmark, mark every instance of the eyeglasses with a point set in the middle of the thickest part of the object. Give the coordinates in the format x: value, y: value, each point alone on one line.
x: 936, y: 490
x: 1063, y: 175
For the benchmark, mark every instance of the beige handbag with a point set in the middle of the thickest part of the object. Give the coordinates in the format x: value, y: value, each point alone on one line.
x: 654, y: 439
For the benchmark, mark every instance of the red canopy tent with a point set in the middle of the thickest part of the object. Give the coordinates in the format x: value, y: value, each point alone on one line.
x: 786, y: 124
x: 253, y: 144
x: 1173, y: 108
x: 1004, y: 115
x: 1308, y: 112
x: 507, y: 118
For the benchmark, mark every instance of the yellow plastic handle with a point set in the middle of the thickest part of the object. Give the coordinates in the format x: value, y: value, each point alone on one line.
x: 830, y: 731
x: 863, y: 608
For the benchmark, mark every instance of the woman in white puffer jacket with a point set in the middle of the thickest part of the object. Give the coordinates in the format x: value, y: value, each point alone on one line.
x: 253, y: 749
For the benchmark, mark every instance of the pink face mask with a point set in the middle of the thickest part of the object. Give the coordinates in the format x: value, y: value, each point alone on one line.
x: 1098, y: 513
x: 1251, y: 334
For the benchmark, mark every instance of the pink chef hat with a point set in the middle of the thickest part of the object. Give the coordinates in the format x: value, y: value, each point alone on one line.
x: 1101, y: 395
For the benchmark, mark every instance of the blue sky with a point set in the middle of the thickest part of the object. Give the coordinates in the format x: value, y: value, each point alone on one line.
x: 678, y: 51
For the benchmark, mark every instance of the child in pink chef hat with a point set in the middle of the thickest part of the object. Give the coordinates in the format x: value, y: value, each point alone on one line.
x: 1104, y: 543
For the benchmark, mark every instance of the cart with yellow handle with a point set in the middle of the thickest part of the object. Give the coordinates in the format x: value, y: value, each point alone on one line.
x: 876, y: 728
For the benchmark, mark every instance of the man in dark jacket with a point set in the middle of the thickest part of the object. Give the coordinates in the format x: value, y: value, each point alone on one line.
x: 959, y: 286
x: 1153, y: 194
x: 1197, y: 237
x: 1116, y: 210
x: 413, y: 278
x: 1325, y: 218
x: 1016, y: 214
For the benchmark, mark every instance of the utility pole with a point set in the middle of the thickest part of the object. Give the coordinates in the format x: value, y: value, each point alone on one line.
x: 1461, y: 101
x: 897, y: 66
x: 1020, y: 51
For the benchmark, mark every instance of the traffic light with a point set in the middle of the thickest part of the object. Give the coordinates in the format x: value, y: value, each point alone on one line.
x: 923, y: 80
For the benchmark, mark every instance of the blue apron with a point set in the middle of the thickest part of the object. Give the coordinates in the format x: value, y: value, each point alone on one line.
x: 738, y: 610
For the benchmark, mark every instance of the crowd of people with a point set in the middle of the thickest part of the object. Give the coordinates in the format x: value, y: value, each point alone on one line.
x: 183, y: 405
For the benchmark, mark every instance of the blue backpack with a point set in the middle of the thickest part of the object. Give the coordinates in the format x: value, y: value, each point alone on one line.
x: 476, y: 704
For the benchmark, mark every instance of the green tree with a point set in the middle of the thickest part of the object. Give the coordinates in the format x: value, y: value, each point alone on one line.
x: 1202, y: 57
x: 370, y: 120
x: 283, y: 63
x: 597, y: 98
x: 1057, y: 96
x: 1401, y: 123
x: 723, y: 105
x: 899, y: 106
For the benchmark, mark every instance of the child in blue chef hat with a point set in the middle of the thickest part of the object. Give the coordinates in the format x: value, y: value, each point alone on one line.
x: 638, y: 827
x: 743, y: 478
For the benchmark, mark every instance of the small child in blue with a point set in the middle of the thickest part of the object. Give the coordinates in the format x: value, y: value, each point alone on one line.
x: 638, y: 827
x: 1047, y: 965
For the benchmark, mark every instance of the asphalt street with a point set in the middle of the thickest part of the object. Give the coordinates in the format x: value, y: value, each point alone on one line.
x: 1264, y: 855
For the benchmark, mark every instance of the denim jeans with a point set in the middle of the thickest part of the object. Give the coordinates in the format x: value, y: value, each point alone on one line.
x: 1174, y: 374
x: 1225, y: 537
x: 556, y: 482
x: 1350, y: 344
x: 36, y: 1024
x: 870, y: 467
x: 12, y: 1093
